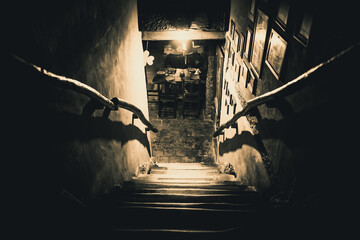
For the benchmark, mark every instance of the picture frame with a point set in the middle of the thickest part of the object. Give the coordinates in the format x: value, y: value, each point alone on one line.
x: 260, y: 32
x: 237, y: 70
x: 227, y: 43
x: 229, y: 50
x: 232, y: 29
x: 251, y: 13
x: 251, y: 83
x: 275, y: 53
x: 233, y: 58
x: 244, y: 74
x: 248, y: 43
x: 241, y: 44
x: 283, y: 14
x: 236, y: 40
x: 303, y: 28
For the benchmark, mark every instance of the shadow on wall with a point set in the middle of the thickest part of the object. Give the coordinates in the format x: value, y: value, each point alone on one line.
x: 51, y: 146
x: 74, y: 127
x: 244, y: 153
x: 83, y: 155
x: 231, y: 145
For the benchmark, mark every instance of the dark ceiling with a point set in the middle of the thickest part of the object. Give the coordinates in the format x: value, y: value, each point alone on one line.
x: 160, y: 15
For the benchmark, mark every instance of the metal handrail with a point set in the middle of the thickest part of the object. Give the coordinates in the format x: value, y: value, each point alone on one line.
x: 80, y: 87
x: 280, y: 91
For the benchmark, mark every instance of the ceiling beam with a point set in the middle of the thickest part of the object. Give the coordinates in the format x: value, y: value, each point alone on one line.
x: 182, y: 35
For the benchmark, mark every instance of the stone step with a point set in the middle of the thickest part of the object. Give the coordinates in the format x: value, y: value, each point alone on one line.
x: 196, y: 208
x: 199, y: 205
x: 181, y: 197
x: 177, y: 218
x: 179, y: 190
x: 245, y: 232
x: 196, y: 178
x: 186, y: 166
x: 185, y: 171
x: 233, y: 185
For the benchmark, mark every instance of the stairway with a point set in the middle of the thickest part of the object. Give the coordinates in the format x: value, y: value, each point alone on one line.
x: 182, y: 201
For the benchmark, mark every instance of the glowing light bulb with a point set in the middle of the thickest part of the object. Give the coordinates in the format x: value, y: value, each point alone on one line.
x: 183, y: 43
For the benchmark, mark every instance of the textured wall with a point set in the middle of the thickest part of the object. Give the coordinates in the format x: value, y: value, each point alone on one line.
x: 97, y: 43
x: 182, y: 140
x: 159, y: 15
x: 294, y: 132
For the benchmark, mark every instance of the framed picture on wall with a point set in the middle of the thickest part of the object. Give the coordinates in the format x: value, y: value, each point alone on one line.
x: 232, y: 29
x: 283, y: 13
x: 227, y: 43
x: 241, y: 44
x: 232, y: 57
x: 252, y: 10
x: 275, y: 53
x: 251, y: 84
x: 303, y: 28
x: 248, y: 43
x: 236, y: 40
x: 229, y: 49
x: 243, y: 74
x: 259, y: 41
x: 237, y: 69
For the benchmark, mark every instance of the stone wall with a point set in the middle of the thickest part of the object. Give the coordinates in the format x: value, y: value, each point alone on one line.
x: 210, y: 80
x: 182, y: 140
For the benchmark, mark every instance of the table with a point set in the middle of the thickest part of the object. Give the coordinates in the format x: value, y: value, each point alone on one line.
x: 182, y: 80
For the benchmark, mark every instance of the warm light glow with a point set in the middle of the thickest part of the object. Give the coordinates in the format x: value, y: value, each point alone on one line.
x: 182, y: 35
x: 183, y: 43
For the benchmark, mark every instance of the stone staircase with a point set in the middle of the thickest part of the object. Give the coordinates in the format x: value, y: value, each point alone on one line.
x: 182, y: 201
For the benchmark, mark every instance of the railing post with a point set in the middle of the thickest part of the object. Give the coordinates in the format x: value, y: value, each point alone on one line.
x: 107, y: 110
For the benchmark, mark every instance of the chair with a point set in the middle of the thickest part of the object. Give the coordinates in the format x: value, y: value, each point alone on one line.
x: 192, y: 100
x: 167, y: 100
x: 153, y: 92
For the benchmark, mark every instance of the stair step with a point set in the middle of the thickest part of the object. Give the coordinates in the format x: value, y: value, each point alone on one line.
x: 185, y: 179
x: 188, y: 234
x: 195, y: 209
x: 178, y: 190
x: 170, y: 218
x: 171, y: 197
x: 185, y: 171
x: 183, y: 166
x: 139, y: 184
x: 215, y: 205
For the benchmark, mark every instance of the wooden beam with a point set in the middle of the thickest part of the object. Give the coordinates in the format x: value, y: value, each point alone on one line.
x: 181, y: 35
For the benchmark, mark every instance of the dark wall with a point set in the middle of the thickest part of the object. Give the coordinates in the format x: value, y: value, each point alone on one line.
x: 52, y: 145
x: 159, y: 15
